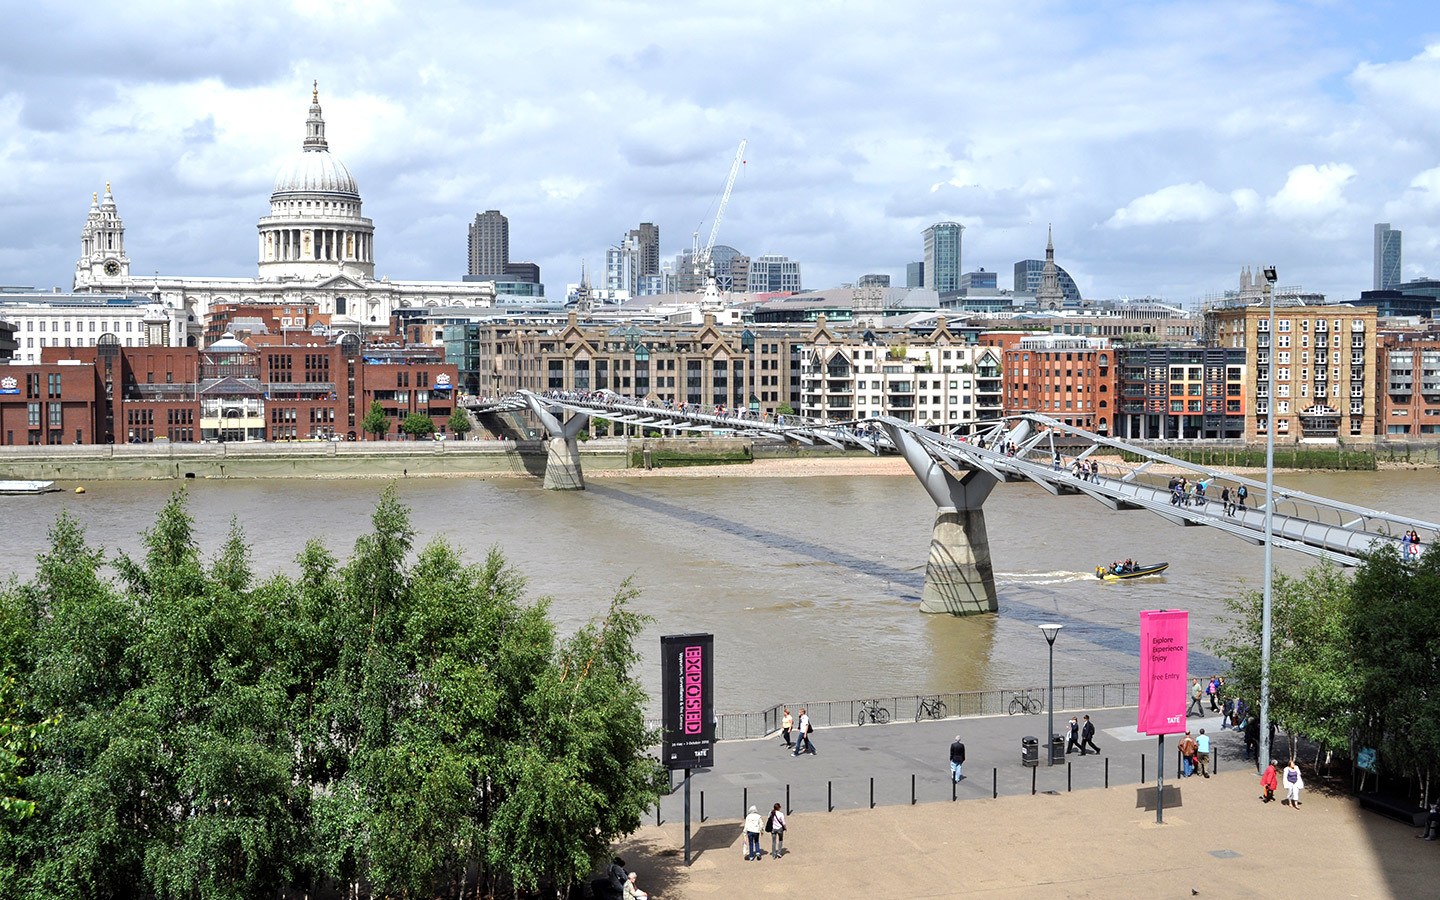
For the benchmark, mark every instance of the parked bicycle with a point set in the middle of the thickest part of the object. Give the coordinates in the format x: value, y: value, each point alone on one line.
x: 872, y: 711
x: 1024, y: 701
x: 933, y: 707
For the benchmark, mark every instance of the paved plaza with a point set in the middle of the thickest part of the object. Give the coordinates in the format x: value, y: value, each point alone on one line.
x: 1218, y: 839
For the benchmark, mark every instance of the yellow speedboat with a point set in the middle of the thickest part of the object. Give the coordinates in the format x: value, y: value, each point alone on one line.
x: 1109, y: 573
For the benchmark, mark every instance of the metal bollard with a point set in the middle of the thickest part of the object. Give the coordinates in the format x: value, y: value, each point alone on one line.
x: 658, y: 823
x: 702, y: 807
x: 1107, y: 771
x: 872, y: 791
x: 994, y: 784
x: 1142, y: 768
x: 912, y: 788
x: 1032, y: 780
x: 954, y: 788
x: 788, y: 810
x: 829, y: 797
x: 1069, y: 777
x: 744, y: 802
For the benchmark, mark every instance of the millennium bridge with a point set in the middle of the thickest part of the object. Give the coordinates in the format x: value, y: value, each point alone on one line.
x: 960, y: 471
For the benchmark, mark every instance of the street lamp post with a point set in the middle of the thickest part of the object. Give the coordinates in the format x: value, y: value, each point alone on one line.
x: 1050, y: 630
x: 1265, y: 749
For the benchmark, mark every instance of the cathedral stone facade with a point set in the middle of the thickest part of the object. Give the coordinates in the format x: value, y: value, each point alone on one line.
x: 315, y: 246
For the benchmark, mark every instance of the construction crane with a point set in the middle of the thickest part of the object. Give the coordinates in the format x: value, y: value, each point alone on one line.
x: 701, y: 258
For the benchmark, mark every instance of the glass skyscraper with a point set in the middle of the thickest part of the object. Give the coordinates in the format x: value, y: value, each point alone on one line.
x: 942, y: 256
x: 1387, y: 257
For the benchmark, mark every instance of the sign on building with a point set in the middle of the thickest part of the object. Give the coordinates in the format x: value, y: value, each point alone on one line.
x: 687, y: 693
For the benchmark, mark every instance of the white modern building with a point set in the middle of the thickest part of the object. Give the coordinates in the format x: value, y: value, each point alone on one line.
x: 315, y: 246
x: 79, y: 320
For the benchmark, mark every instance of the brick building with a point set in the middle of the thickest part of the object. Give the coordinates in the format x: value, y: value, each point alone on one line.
x: 1072, y: 379
x: 1410, y: 399
x: 1321, y: 377
x: 228, y: 391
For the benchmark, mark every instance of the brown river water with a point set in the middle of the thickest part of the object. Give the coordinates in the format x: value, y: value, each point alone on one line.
x: 810, y: 585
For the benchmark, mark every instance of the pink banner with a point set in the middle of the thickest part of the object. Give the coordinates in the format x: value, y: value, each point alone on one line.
x: 1164, y: 636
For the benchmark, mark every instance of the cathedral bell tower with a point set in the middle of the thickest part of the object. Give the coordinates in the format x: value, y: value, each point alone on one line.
x: 102, y: 246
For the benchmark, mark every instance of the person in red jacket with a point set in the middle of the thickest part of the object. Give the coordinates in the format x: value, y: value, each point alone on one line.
x: 1268, y: 782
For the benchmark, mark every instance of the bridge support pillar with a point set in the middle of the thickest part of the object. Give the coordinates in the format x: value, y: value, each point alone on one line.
x: 562, y: 448
x: 959, y: 577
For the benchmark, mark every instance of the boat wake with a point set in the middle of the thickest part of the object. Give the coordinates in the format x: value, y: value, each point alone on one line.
x: 1060, y: 577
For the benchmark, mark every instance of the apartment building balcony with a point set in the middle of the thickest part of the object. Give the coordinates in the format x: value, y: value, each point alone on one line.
x: 840, y: 387
x: 901, y: 403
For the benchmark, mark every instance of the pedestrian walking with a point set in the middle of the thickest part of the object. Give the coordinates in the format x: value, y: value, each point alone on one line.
x: 1268, y: 783
x: 1187, y: 755
x: 957, y: 759
x: 1197, y: 693
x: 1225, y: 502
x: 1213, y: 690
x: 1087, y: 737
x: 1293, y: 784
x: 752, y: 835
x: 1240, y: 494
x: 775, y: 824
x: 1202, y: 752
x: 787, y: 722
x: 1074, y: 733
x: 1252, y: 739
x: 802, y: 738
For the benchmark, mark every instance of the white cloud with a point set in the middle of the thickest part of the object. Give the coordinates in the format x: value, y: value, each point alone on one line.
x: 1312, y: 191
x: 1193, y: 202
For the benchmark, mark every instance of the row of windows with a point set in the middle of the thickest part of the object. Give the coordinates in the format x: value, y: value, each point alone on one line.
x: 95, y: 325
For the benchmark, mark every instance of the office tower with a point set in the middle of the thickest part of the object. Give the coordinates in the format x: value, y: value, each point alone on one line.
x: 873, y: 280
x: 646, y: 243
x: 942, y: 256
x: 489, y: 243
x: 522, y: 271
x: 773, y: 273
x: 1387, y: 257
x: 915, y: 275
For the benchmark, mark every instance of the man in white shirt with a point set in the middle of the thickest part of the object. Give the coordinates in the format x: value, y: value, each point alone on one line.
x: 802, y: 740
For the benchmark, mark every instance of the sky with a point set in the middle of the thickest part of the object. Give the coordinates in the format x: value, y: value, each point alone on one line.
x: 1168, y: 143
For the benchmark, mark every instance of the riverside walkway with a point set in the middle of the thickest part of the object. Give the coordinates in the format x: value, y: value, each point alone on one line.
x: 1075, y: 839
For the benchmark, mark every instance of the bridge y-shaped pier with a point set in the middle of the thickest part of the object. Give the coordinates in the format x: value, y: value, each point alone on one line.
x: 959, y: 473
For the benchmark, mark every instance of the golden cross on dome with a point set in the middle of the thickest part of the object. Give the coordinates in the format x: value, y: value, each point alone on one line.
x: 94, y: 197
x: 315, y: 92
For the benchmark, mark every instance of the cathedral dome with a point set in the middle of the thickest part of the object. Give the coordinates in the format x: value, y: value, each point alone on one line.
x: 315, y: 172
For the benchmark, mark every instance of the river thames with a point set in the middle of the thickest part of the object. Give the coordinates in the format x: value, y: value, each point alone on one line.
x: 810, y: 585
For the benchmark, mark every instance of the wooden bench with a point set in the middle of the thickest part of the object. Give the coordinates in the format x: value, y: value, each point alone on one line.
x: 1394, y: 807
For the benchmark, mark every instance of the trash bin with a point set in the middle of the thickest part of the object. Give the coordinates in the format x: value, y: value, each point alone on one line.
x: 1057, y: 749
x: 1029, y: 751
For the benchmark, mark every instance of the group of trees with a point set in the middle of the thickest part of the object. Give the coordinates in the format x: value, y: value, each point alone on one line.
x: 417, y: 425
x: 397, y: 724
x: 1355, y: 659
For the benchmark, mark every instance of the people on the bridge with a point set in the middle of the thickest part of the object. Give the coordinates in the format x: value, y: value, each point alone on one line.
x: 787, y: 722
x: 1055, y: 461
x: 1087, y: 737
x: 1225, y: 502
x: 957, y: 759
x: 1073, y: 732
x: 1268, y: 783
x: 1240, y: 494
x: 1200, y: 492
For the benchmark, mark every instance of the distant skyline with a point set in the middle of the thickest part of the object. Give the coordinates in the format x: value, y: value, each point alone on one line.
x: 1168, y: 143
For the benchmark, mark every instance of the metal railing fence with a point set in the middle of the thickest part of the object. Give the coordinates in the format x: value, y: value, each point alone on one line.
x: 904, y: 708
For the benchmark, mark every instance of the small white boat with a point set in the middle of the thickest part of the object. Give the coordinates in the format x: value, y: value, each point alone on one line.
x: 27, y: 487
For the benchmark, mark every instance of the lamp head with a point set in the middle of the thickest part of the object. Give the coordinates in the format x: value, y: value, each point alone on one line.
x: 1050, y: 630
x: 1270, y: 275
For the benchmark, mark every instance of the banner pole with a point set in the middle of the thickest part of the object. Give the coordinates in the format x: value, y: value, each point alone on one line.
x: 687, y: 817
x: 1160, y: 785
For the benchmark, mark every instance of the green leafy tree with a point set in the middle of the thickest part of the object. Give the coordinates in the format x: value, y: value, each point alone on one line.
x: 1396, y: 642
x: 460, y: 424
x: 417, y: 425
x: 1313, y: 684
x: 784, y: 409
x: 375, y: 421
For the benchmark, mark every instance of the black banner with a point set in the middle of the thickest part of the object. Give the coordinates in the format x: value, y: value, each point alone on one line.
x: 687, y: 695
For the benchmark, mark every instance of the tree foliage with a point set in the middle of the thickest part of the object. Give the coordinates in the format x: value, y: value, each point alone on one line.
x: 417, y: 425
x: 375, y: 421
x: 401, y: 723
x: 460, y: 424
x: 1355, y: 660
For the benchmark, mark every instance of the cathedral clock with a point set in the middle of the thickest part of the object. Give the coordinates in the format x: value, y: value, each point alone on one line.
x: 112, y: 268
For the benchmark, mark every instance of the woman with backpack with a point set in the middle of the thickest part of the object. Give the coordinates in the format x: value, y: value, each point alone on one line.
x: 775, y: 824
